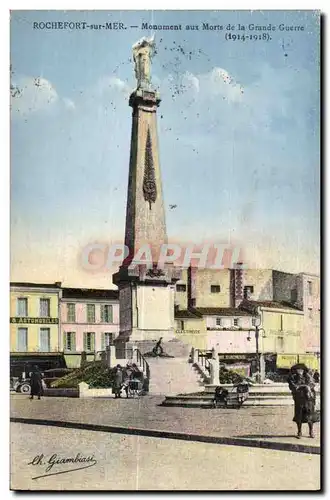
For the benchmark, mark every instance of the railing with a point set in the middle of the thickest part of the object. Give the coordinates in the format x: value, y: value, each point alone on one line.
x: 201, y: 362
x: 142, y: 362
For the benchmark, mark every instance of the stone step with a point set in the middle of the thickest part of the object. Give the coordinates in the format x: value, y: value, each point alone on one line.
x: 189, y: 403
x: 171, y: 376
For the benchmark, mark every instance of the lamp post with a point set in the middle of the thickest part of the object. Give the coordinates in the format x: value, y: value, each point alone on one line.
x: 257, y: 331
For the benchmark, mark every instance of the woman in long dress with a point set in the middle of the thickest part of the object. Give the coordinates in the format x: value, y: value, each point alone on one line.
x: 36, y: 383
x: 301, y: 385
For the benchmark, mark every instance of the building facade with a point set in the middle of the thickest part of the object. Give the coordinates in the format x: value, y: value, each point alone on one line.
x: 89, y: 322
x: 213, y: 309
x: 294, y: 301
x: 34, y: 317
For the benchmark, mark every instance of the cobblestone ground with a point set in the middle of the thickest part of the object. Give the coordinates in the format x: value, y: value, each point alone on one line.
x: 272, y: 423
x: 142, y: 463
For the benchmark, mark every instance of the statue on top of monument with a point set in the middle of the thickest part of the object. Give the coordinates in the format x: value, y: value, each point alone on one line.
x: 143, y: 51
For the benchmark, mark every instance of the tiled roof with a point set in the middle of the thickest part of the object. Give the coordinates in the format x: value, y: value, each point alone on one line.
x: 35, y: 285
x: 221, y: 311
x: 90, y: 293
x: 272, y: 304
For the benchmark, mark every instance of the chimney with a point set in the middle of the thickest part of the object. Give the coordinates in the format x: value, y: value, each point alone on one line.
x: 237, y: 284
x: 192, y: 271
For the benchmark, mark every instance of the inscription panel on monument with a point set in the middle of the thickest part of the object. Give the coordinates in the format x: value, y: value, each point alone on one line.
x: 154, y: 307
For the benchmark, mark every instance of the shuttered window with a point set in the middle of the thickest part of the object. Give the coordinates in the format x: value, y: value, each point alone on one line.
x: 71, y: 313
x: 44, y: 308
x: 22, y: 339
x: 107, y: 339
x: 89, y: 341
x: 90, y: 313
x: 44, y: 340
x: 106, y: 313
x: 22, y: 307
x: 69, y: 341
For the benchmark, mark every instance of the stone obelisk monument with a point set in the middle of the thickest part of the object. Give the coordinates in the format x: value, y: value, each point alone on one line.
x: 146, y: 292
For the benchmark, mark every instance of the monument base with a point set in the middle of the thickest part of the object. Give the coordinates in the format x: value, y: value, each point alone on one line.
x: 146, y: 298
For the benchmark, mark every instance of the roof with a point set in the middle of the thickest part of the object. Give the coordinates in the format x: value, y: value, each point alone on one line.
x: 90, y: 293
x: 272, y: 304
x: 221, y: 311
x: 186, y: 313
x: 35, y: 285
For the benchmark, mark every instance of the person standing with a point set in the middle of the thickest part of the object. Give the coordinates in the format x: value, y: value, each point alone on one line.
x: 301, y: 385
x: 118, y: 381
x: 36, y: 383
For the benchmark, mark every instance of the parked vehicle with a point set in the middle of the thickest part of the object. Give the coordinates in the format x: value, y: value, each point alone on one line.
x: 22, y: 384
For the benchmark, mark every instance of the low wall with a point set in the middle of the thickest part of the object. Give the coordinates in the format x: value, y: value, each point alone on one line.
x: 86, y: 392
x: 62, y: 393
x: 259, y: 388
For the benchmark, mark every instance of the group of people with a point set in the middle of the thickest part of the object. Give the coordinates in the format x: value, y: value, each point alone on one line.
x: 302, y: 385
x: 123, y: 376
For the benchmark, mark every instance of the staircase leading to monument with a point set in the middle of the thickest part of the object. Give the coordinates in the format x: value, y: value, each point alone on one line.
x: 171, y: 375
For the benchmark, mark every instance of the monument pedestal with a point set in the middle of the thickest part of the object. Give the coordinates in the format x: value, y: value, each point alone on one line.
x: 146, y: 298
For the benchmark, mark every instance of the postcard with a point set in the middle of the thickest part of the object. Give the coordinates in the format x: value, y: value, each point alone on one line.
x: 165, y: 250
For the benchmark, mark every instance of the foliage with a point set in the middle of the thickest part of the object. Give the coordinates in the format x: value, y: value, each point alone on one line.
x: 95, y: 374
x: 229, y: 376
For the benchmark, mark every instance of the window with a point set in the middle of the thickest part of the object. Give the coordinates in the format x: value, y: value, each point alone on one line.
x: 106, y: 314
x: 22, y: 339
x: 22, y: 307
x: 71, y: 313
x: 218, y: 321
x: 107, y: 339
x: 90, y: 313
x: 44, y: 340
x: 89, y: 341
x: 310, y: 313
x: 254, y: 321
x: 215, y: 288
x: 310, y: 287
x: 281, y: 324
x: 44, y: 308
x: 181, y: 325
x: 181, y: 288
x: 69, y: 341
x: 248, y: 291
x: 235, y: 321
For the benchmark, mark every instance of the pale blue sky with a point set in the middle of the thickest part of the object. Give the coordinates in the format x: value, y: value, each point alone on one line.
x: 239, y: 142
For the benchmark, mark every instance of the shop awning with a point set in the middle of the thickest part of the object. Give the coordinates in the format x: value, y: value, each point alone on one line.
x: 309, y: 360
x: 288, y: 360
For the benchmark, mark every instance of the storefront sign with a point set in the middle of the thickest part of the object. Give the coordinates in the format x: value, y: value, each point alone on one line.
x: 187, y: 331
x: 286, y: 360
x: 34, y: 321
x: 237, y: 357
